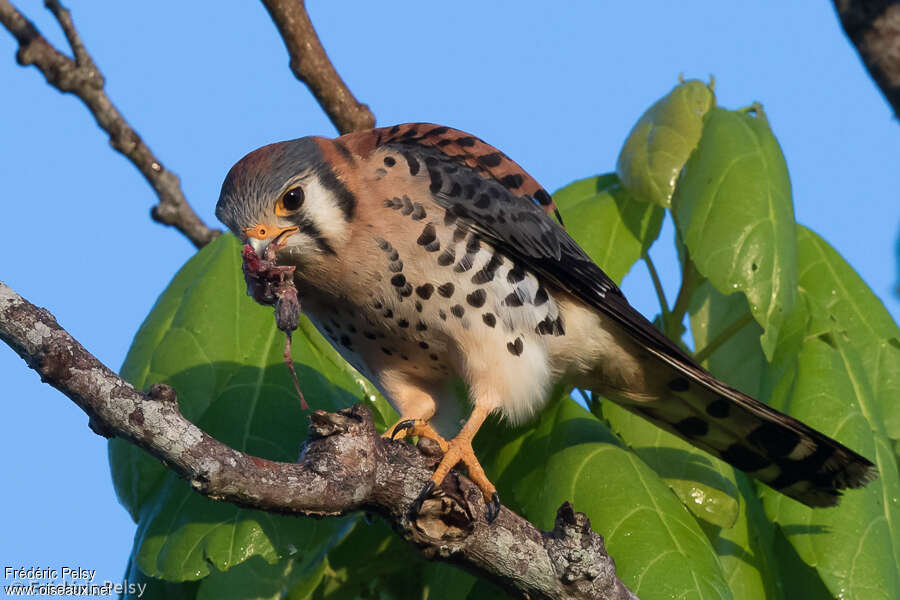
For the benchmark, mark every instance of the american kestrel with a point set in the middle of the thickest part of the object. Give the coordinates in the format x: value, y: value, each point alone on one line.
x: 424, y: 254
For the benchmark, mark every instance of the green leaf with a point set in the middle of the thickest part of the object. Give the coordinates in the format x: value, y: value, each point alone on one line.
x: 746, y: 549
x: 860, y: 318
x: 612, y: 227
x: 738, y: 360
x: 733, y: 209
x: 854, y: 546
x: 825, y: 375
x: 702, y: 482
x: 659, y: 549
x: 661, y: 142
x: 223, y: 355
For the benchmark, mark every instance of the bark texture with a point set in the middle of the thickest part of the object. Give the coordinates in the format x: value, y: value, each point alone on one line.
x: 344, y: 466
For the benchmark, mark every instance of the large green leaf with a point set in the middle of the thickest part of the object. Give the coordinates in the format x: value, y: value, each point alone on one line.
x: 612, y: 227
x: 659, y: 549
x: 702, y: 482
x: 859, y: 316
x: 661, y: 142
x: 733, y: 208
x: 822, y: 376
x: 223, y: 355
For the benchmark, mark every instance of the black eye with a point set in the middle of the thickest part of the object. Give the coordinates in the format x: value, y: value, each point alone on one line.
x: 293, y: 199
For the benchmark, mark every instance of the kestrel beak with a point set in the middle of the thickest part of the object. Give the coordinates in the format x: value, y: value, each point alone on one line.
x: 261, y: 236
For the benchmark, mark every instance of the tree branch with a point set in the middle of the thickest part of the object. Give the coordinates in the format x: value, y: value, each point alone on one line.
x: 874, y: 28
x: 311, y: 65
x: 82, y: 78
x: 344, y: 466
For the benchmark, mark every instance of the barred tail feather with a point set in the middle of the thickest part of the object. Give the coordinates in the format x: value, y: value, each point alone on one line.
x: 770, y: 446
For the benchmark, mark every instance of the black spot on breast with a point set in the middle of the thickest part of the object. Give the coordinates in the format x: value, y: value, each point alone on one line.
x: 487, y: 273
x: 433, y: 246
x: 403, y: 323
x: 433, y: 356
x: 423, y: 345
x: 407, y: 206
x: 396, y: 266
x: 447, y: 257
x: 418, y: 212
x: 477, y: 298
x: 692, y: 427
x: 405, y: 291
x: 718, y: 408
x: 446, y: 289
x: 442, y: 315
x: 512, y: 181
x: 425, y: 291
x: 490, y: 160
x: 412, y: 163
x: 460, y: 233
x: 386, y: 351
x: 457, y: 310
x: 388, y: 314
x: 774, y: 438
x: 679, y: 384
x: 421, y: 326
x: 515, y: 348
x: 540, y: 297
x: 418, y: 306
x: 743, y: 458
x: 398, y: 280
x: 428, y: 235
x: 389, y: 161
x: 516, y: 274
x: 473, y: 244
x: 512, y: 299
x: 489, y: 319
x: 377, y: 305
x: 464, y: 264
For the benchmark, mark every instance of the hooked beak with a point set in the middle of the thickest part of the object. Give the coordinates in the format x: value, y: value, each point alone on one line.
x: 261, y: 236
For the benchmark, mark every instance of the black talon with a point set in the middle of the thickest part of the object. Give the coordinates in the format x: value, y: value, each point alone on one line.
x: 402, y: 426
x: 420, y: 499
x: 492, y: 508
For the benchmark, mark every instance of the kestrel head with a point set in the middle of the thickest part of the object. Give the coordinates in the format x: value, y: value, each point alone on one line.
x: 288, y: 192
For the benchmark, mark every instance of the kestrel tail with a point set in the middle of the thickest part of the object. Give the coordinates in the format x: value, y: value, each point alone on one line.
x: 424, y: 254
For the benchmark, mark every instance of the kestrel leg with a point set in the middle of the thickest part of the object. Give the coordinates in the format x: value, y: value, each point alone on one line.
x: 416, y: 408
x: 460, y: 451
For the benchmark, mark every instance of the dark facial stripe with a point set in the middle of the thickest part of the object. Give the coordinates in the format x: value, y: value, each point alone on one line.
x: 345, y: 198
x: 309, y: 228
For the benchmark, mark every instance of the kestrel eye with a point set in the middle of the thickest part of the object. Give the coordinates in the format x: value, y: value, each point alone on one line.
x: 293, y: 199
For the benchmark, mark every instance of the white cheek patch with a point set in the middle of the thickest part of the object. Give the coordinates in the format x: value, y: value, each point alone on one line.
x: 321, y: 208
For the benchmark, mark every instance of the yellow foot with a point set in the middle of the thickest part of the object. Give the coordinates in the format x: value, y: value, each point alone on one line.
x: 459, y: 450
x: 416, y: 427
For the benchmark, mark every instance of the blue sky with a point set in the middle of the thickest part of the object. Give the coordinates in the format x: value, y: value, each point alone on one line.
x: 557, y: 89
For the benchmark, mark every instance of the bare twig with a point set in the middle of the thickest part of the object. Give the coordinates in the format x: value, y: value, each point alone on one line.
x: 311, y: 65
x: 82, y: 78
x: 345, y: 466
x: 874, y: 28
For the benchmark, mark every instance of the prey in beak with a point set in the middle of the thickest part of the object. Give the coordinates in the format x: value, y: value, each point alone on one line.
x: 272, y: 284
